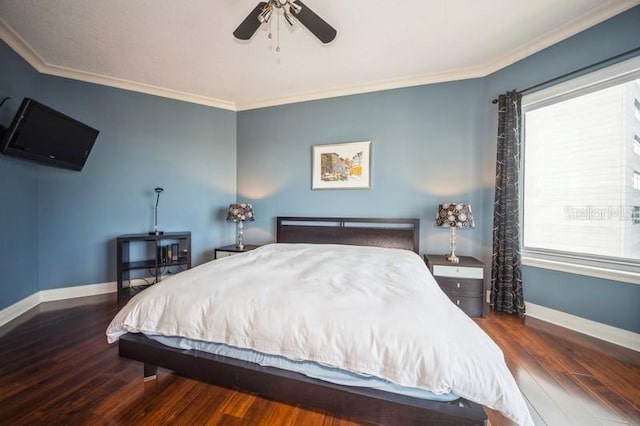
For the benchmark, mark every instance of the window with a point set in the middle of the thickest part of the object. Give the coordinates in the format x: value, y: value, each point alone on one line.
x: 579, y: 201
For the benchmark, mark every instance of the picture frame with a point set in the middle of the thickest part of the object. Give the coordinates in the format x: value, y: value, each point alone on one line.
x: 341, y: 166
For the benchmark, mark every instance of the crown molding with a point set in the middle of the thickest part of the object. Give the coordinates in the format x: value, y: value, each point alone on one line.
x: 599, y: 14
x: 378, y: 86
x: 20, y: 46
x: 137, y: 87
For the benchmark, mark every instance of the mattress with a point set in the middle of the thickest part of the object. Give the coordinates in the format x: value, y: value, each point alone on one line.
x: 368, y: 310
x: 308, y: 368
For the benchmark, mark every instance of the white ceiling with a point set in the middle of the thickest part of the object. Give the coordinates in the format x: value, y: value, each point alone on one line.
x: 184, y: 49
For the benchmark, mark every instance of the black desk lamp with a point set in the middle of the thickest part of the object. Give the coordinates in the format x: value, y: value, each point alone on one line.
x: 155, y: 214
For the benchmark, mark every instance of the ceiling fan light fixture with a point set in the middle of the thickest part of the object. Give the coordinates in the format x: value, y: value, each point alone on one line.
x: 294, y: 7
x: 290, y: 19
x: 265, y: 14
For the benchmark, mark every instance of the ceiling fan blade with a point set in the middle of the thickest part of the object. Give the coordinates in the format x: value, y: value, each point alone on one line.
x: 250, y: 25
x: 318, y: 27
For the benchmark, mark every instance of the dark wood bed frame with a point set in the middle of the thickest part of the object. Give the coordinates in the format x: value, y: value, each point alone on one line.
x: 392, y: 233
x: 360, y: 404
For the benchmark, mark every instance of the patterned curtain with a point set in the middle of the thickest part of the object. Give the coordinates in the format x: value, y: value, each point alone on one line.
x: 506, y: 276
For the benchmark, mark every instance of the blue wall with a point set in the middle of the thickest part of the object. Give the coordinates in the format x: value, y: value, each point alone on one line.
x: 609, y: 302
x: 62, y: 224
x: 144, y: 142
x: 430, y: 144
x: 18, y: 192
x: 424, y: 149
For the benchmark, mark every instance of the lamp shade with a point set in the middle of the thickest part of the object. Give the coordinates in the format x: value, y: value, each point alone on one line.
x: 240, y: 213
x: 454, y: 215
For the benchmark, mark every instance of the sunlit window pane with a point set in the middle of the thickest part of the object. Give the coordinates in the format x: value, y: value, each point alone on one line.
x: 582, y: 174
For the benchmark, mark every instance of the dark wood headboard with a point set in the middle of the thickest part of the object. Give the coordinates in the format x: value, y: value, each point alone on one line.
x: 380, y: 232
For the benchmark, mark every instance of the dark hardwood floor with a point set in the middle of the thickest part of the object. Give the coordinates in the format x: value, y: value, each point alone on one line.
x: 56, y: 368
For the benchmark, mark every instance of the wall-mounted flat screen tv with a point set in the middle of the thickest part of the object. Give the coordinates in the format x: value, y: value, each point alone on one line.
x: 42, y: 134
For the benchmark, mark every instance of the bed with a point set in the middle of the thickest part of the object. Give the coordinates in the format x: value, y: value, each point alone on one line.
x: 352, y: 238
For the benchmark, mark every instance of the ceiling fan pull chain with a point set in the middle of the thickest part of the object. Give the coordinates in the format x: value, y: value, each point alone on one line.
x: 278, y: 37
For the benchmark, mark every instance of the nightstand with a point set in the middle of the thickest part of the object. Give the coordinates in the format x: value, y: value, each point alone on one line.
x: 230, y: 250
x: 465, y: 283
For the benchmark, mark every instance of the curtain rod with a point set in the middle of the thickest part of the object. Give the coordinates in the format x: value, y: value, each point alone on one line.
x: 601, y: 64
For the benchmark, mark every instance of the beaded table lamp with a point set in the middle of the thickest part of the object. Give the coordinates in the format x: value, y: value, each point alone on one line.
x: 454, y: 215
x: 240, y: 213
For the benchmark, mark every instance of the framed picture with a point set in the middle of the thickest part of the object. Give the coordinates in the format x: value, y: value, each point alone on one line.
x: 341, y: 166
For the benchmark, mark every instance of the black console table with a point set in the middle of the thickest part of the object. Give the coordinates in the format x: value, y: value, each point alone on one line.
x: 160, y: 251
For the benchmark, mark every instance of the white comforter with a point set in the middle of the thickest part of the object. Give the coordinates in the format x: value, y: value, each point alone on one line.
x: 369, y: 310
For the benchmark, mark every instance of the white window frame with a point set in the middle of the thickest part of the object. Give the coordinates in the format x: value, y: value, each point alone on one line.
x: 636, y: 180
x: 577, y: 263
x: 636, y: 143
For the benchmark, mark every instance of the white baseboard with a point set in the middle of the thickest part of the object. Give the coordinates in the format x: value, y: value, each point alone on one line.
x: 610, y: 334
x: 14, y: 311
x: 77, y: 291
x: 20, y: 307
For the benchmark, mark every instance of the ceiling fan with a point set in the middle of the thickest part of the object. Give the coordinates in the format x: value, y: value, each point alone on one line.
x: 294, y: 11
